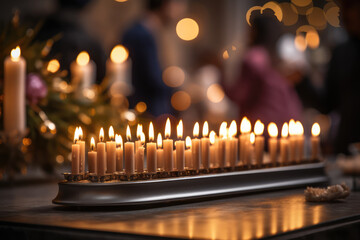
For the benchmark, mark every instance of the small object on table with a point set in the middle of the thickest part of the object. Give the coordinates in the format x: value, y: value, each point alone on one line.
x: 331, y: 193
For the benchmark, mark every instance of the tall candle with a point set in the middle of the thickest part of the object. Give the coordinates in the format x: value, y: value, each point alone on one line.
x: 234, y: 143
x: 205, y: 146
x: 101, y: 154
x: 111, y: 152
x: 168, y: 148
x: 300, y: 140
x: 245, y: 129
x: 82, y: 151
x: 118, y: 70
x: 139, y: 130
x: 180, y: 148
x: 213, y: 147
x: 259, y: 142
x: 273, y: 133
x: 251, y: 150
x: 160, y: 152
x: 139, y: 155
x: 222, y: 145
x: 14, y: 93
x: 83, y: 72
x: 284, y: 144
x: 151, y: 151
x: 292, y: 141
x: 315, y: 141
x: 92, y: 157
x: 188, y: 153
x: 129, y: 153
x: 119, y: 153
x: 75, y: 154
x: 195, y: 147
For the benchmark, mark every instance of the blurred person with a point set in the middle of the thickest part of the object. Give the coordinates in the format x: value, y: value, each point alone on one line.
x: 141, y: 39
x: 261, y: 90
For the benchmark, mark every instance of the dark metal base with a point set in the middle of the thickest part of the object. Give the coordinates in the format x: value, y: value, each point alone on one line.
x: 174, y: 189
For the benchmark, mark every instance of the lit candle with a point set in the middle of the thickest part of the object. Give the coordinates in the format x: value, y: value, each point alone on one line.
x: 315, y: 141
x: 168, y: 148
x: 195, y: 147
x: 259, y: 142
x: 75, y: 154
x: 92, y: 155
x: 222, y: 145
x: 245, y: 129
x: 82, y: 151
x: 101, y: 154
x: 292, y: 140
x: 205, y: 146
x: 139, y: 155
x: 139, y: 130
x: 250, y: 152
x: 188, y: 153
x: 213, y: 147
x: 180, y: 147
x: 273, y: 133
x: 111, y: 152
x: 129, y: 153
x: 151, y: 151
x: 284, y: 144
x: 82, y: 72
x: 117, y: 67
x: 233, y: 144
x: 300, y: 140
x: 160, y: 152
x: 14, y: 93
x: 119, y: 153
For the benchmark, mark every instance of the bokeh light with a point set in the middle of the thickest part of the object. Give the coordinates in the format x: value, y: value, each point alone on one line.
x: 187, y: 29
x: 316, y: 17
x: 312, y: 39
x: 248, y: 13
x: 290, y: 14
x: 215, y: 93
x: 300, y: 43
x: 301, y: 3
x: 180, y: 100
x: 173, y: 76
x: 119, y: 54
x: 141, y: 107
x: 275, y: 7
x: 225, y: 54
x: 332, y: 13
x: 53, y: 66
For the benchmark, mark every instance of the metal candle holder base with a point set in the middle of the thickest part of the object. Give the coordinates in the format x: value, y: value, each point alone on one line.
x: 163, y: 187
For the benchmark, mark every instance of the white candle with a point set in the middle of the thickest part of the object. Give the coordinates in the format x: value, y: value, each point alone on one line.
x: 188, y: 153
x: 245, y: 129
x: 168, y: 148
x: 160, y: 152
x: 75, y: 154
x: 129, y: 153
x: 292, y: 141
x: 92, y: 157
x: 222, y: 145
x: 300, y: 141
x: 273, y: 133
x: 83, y: 72
x: 139, y: 130
x: 213, y: 148
x: 82, y: 151
x: 251, y: 151
x: 14, y: 93
x: 139, y: 155
x: 111, y: 152
x: 180, y: 148
x: 195, y: 147
x: 151, y: 163
x: 205, y: 147
x: 284, y: 144
x: 119, y: 153
x: 233, y: 144
x: 315, y: 141
x: 101, y: 155
x: 259, y: 142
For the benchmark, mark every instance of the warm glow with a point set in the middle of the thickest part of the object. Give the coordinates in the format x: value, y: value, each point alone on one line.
x: 15, y: 54
x: 245, y: 126
x: 299, y: 128
x: 233, y: 129
x: 301, y: 3
x: 222, y: 131
x: 180, y: 100
x: 316, y: 17
x: 215, y: 93
x: 101, y: 135
x: 119, y: 141
x: 141, y: 107
x: 292, y: 128
x: 128, y: 134
x: 142, y: 138
x: 273, y: 130
x: 92, y: 144
x: 312, y: 39
x: 252, y: 138
x: 159, y: 140
x: 259, y: 127
x: 212, y: 137
x: 180, y: 129
x: 83, y: 58
x: 111, y: 133
x: 275, y: 7
x: 119, y: 54
x: 300, y: 43
x: 188, y: 142
x: 81, y: 134
x: 76, y: 135
x: 249, y: 12
x: 139, y: 130
x: 315, y: 129
x: 205, y: 130
x: 196, y: 130
x: 285, y: 130
x: 173, y: 76
x: 187, y: 29
x: 151, y: 132
x: 53, y: 66
x: 226, y: 55
x: 167, y: 128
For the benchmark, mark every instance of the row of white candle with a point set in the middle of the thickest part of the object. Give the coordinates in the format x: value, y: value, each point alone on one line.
x: 208, y: 152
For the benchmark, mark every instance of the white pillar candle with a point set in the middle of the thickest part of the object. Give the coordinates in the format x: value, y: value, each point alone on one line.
x: 160, y: 153
x: 188, y: 153
x: 82, y: 151
x: 75, y: 154
x: 245, y: 129
x: 213, y: 148
x: 101, y: 155
x: 92, y: 157
x: 233, y: 144
x: 215, y: 159
x: 315, y: 141
x: 14, y: 93
x: 273, y: 133
x: 83, y: 72
x: 151, y: 153
x: 284, y: 144
x: 111, y: 152
x: 139, y: 155
x: 168, y: 148
x: 129, y: 153
x: 139, y: 130
x: 251, y: 151
x: 292, y: 141
x: 259, y: 142
x: 195, y: 148
x: 119, y: 153
x: 222, y: 146
x: 205, y: 147
x: 180, y: 148
x: 300, y: 141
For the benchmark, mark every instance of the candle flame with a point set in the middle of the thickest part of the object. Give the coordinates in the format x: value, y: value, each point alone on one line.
x: 83, y: 58
x: 167, y: 128
x: 222, y: 130
x: 212, y: 137
x: 285, y: 130
x: 252, y: 138
x: 142, y: 138
x: 196, y: 130
x: 119, y: 141
x: 76, y: 135
x: 92, y: 144
x: 205, y: 130
x: 159, y: 140
x: 180, y: 129
x: 299, y: 128
x: 273, y: 130
x: 188, y: 142
x: 15, y: 54
x: 259, y: 128
x: 292, y: 127
x: 315, y: 129
x: 151, y: 132
x: 80, y: 133
x: 119, y: 54
x: 245, y: 125
x: 101, y: 135
x: 139, y: 130
x: 128, y: 134
x: 111, y: 133
x: 233, y: 129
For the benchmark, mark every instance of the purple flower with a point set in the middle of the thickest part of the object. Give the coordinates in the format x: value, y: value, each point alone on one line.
x: 36, y: 88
